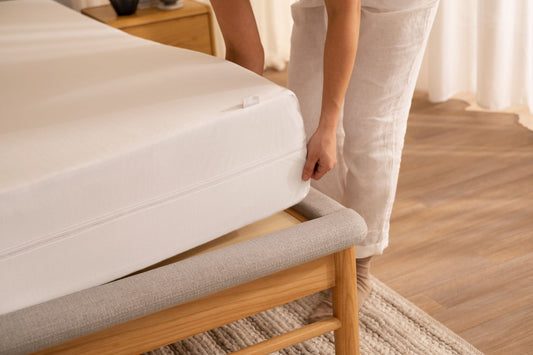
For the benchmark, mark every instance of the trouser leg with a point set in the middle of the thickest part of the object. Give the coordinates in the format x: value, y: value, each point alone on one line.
x: 391, y: 46
x: 371, y: 130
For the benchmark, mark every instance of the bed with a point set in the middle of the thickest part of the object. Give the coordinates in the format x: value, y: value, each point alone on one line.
x: 117, y: 153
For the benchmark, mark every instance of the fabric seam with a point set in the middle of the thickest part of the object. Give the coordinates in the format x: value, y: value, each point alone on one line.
x: 69, y: 231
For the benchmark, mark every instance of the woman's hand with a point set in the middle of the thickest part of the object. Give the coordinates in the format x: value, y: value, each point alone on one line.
x: 321, y: 154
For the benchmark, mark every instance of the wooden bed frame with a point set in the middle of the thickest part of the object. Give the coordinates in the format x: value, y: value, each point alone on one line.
x: 335, y: 271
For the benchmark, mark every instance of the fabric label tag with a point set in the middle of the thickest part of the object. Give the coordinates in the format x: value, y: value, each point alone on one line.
x: 250, y: 101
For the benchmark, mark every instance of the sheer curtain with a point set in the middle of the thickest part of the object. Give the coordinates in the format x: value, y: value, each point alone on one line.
x: 274, y: 22
x: 483, y: 51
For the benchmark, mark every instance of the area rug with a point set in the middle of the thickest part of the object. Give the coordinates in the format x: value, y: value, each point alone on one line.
x: 389, y: 324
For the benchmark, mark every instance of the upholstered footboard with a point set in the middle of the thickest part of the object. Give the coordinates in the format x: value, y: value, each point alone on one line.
x: 163, y: 305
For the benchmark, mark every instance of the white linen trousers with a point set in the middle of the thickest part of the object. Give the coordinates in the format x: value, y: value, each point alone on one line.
x: 371, y: 130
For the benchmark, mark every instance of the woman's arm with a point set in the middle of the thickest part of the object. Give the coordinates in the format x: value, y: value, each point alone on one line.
x: 238, y: 26
x: 339, y: 55
x: 243, y: 47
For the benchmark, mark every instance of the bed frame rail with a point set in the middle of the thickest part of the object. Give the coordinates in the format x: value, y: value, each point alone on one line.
x: 180, y: 322
x: 160, y: 306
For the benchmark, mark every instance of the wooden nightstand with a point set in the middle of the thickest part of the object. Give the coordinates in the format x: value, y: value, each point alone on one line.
x: 188, y: 27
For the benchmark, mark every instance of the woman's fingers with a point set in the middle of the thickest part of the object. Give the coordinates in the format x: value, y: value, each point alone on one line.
x: 321, y: 156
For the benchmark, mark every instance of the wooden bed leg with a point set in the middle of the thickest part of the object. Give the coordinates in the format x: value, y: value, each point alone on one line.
x: 345, y: 303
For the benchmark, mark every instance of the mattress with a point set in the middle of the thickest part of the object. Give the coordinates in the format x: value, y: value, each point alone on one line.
x: 117, y: 152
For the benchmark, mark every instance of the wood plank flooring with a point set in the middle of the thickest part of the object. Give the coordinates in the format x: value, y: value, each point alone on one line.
x: 461, y: 245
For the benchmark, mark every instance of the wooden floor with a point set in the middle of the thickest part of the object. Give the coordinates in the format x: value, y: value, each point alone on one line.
x: 461, y: 245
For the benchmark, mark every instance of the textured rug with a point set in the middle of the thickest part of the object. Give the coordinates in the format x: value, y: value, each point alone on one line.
x: 389, y: 324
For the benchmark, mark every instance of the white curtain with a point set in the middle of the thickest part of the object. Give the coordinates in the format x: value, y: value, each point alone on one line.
x: 483, y: 51
x: 274, y: 22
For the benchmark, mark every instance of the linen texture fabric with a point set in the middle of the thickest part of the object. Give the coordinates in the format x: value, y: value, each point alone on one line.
x: 393, y: 35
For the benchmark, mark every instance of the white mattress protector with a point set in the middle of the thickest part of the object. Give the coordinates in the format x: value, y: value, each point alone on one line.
x: 117, y: 152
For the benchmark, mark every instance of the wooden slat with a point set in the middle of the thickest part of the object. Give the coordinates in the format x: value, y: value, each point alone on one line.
x: 182, y: 321
x: 292, y: 337
x: 296, y: 215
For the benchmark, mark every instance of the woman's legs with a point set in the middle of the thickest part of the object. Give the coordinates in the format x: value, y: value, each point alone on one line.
x: 391, y: 46
x: 370, y: 137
